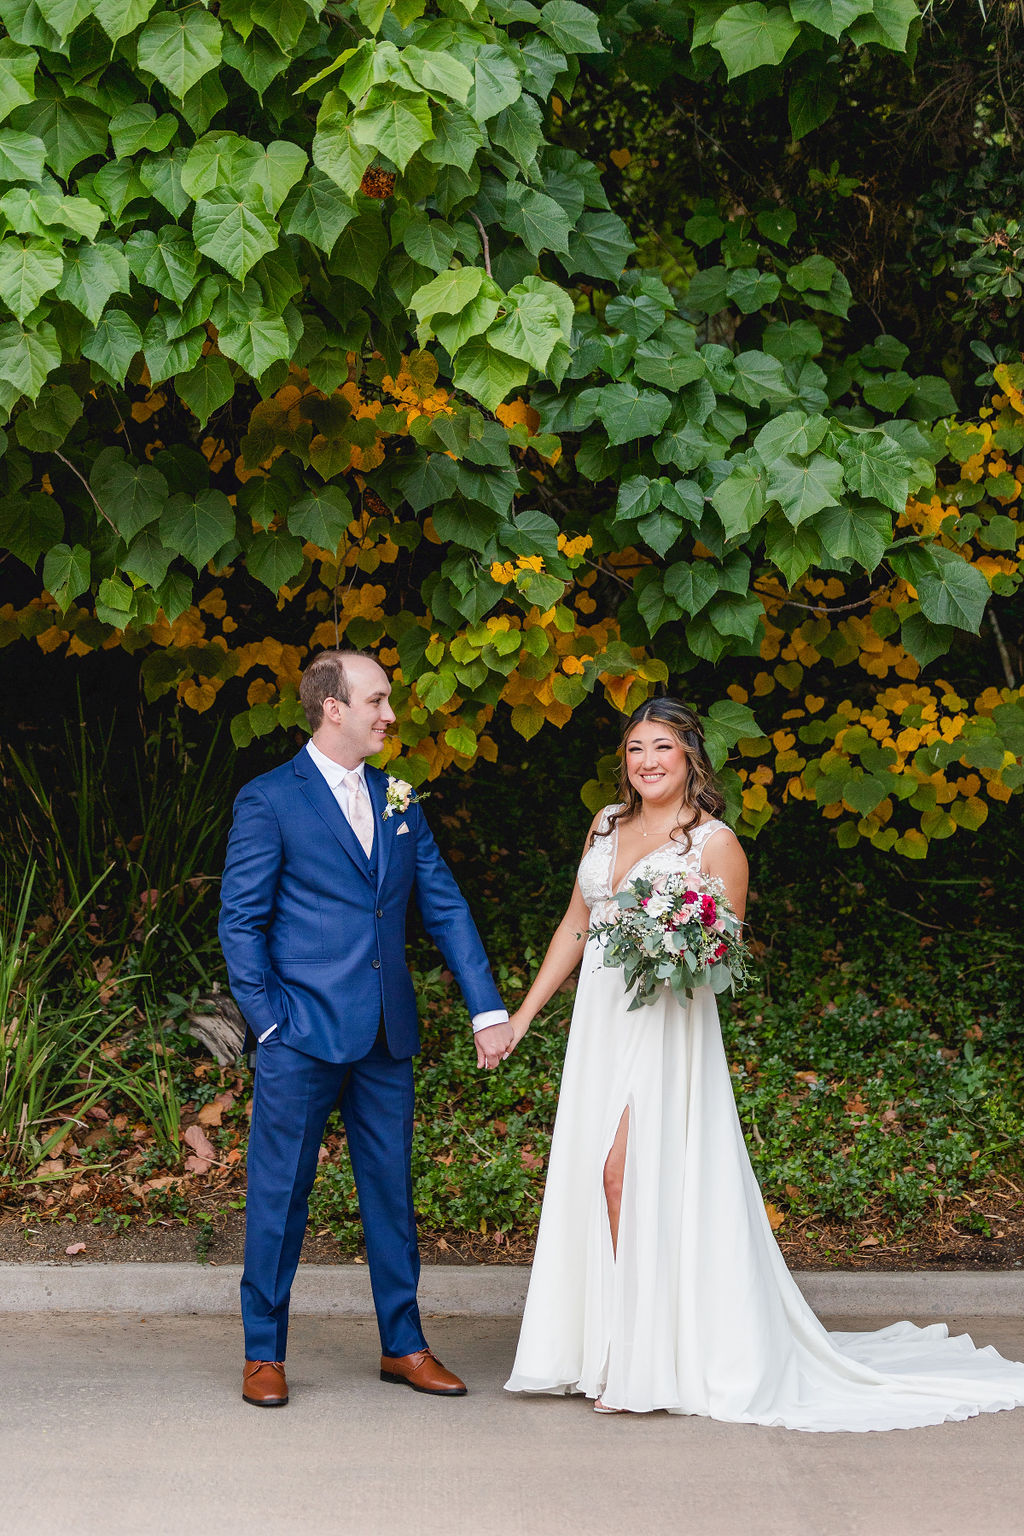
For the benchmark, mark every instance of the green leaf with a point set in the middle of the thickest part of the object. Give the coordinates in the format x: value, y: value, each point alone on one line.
x: 336, y: 150
x: 573, y: 27
x: 43, y: 428
x: 628, y: 413
x: 749, y: 36
x: 197, y: 528
x: 740, y: 499
x: 394, y: 123
x: 200, y: 105
x: 751, y: 290
x: 21, y: 156
x: 448, y: 293
x: 519, y: 130
x: 161, y: 177
x: 92, y: 274
x: 66, y: 573
x: 487, y: 374
x: 206, y: 387
x: 148, y: 558
x: 457, y: 138
x: 954, y: 593
x: 804, y: 486
x: 530, y: 329
x: 317, y: 210
x: 138, y: 127
x: 114, y: 342
x: 233, y: 231
x: 438, y: 73
x: 28, y: 356
x: 792, y: 432
x: 430, y: 242
x: 119, y: 17
x: 28, y: 269
x: 166, y: 260
x: 889, y: 24
x: 832, y: 17
x: 361, y: 249
x: 855, y: 533
x: 537, y: 219
x: 115, y: 603
x: 29, y: 525
x: 692, y: 586
x: 73, y: 130
x: 179, y: 47
x: 131, y: 495
x: 777, y: 224
x: 792, y: 550
x: 478, y: 314
x: 17, y: 76
x: 278, y: 167
x: 496, y: 83
x: 813, y: 95
x: 924, y: 640
x: 322, y: 517
x: 876, y: 467
x: 274, y: 558
x: 599, y: 245
x: 761, y: 378
x: 255, y: 339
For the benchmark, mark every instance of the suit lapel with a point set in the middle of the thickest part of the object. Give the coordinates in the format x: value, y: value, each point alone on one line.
x: 383, y: 831
x: 314, y: 787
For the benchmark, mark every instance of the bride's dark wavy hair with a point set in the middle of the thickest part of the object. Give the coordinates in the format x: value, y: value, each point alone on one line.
x: 703, y: 791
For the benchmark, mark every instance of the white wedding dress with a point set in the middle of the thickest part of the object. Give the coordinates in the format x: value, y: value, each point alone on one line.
x: 697, y: 1313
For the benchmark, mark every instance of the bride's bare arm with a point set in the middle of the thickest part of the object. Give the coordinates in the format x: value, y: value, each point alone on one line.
x: 726, y: 861
x: 562, y: 957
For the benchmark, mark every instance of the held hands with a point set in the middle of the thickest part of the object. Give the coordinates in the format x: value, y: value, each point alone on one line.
x: 492, y: 1045
x: 498, y: 1041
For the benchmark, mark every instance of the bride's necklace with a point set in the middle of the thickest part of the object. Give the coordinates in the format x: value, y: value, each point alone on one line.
x: 654, y: 832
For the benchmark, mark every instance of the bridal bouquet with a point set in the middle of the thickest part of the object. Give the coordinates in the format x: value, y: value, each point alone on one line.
x: 675, y: 930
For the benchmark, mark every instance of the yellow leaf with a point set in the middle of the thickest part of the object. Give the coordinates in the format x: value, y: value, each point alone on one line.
x: 620, y: 158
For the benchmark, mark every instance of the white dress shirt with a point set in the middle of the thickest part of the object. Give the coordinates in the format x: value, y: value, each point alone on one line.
x: 335, y: 774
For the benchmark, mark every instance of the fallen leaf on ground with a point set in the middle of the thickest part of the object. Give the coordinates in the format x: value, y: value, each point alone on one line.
x: 775, y: 1216
x: 74, y: 1248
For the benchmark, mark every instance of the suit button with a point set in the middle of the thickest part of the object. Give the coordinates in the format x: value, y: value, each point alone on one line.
x: 376, y: 965
x: 380, y: 911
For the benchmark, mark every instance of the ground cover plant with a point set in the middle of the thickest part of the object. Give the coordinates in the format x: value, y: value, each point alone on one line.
x: 876, y: 1058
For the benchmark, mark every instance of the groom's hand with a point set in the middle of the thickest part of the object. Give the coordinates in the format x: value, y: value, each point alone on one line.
x: 492, y: 1044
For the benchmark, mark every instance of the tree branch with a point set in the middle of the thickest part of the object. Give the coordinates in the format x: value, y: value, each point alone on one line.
x: 484, y: 240
x: 1004, y: 654
x: 88, y: 487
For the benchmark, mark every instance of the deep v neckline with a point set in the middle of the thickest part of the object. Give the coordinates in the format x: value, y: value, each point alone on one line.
x: 616, y: 886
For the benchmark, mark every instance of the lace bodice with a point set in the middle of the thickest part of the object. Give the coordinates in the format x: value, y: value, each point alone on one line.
x: 597, y: 867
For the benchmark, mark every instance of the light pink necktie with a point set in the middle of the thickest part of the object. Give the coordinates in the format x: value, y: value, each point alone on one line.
x: 360, y: 813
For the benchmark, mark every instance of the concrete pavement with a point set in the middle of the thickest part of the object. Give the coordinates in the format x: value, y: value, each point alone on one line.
x: 133, y: 1424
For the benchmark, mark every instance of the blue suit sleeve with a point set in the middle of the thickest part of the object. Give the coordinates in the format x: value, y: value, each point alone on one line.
x: 248, y: 895
x: 446, y: 917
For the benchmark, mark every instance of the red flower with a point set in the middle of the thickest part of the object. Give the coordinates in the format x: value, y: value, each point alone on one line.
x: 689, y: 896
x: 708, y: 910
x: 720, y: 951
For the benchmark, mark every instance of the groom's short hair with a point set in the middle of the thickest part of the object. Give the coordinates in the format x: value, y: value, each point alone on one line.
x: 325, y: 678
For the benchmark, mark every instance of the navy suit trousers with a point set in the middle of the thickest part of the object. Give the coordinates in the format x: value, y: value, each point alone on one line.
x: 292, y: 1099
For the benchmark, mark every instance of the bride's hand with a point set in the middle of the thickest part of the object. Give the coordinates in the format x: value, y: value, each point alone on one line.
x: 520, y: 1024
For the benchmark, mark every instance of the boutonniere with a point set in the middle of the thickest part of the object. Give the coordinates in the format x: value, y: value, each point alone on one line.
x: 398, y: 797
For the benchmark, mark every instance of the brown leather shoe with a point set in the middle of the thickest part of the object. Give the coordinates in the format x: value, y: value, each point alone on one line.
x: 423, y: 1372
x: 263, y: 1383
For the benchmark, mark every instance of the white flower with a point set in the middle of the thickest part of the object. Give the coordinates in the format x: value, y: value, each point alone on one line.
x: 399, y: 797
x: 659, y: 906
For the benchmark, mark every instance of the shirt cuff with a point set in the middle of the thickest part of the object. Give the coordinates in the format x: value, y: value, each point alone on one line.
x: 492, y: 1016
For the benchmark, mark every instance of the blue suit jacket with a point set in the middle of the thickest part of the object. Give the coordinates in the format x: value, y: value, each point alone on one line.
x: 313, y: 932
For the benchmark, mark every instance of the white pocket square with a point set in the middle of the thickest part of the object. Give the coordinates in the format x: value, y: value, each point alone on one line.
x: 403, y: 827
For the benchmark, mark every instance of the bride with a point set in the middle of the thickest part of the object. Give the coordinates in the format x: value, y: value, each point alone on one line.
x: 657, y: 1282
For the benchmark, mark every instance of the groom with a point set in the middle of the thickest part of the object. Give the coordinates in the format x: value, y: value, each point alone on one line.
x: 314, y: 896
